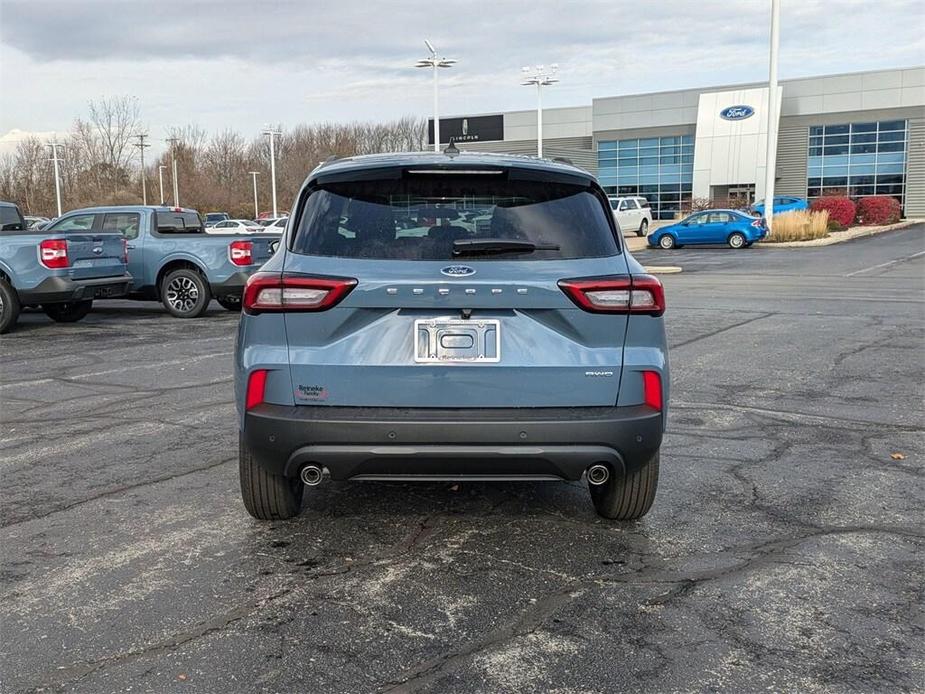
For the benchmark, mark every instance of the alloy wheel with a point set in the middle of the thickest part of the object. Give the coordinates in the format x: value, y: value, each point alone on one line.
x: 182, y: 294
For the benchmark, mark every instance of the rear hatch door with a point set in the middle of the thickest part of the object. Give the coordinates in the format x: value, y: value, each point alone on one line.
x: 451, y: 306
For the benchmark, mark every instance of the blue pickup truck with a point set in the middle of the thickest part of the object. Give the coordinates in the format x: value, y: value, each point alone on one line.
x: 62, y: 269
x: 173, y: 260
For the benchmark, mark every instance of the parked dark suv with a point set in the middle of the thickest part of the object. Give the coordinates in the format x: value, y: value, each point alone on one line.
x: 451, y: 317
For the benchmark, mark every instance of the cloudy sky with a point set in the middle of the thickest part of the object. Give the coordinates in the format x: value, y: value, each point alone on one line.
x: 240, y: 64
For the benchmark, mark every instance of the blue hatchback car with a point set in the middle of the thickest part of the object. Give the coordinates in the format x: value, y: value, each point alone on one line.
x: 732, y: 227
x: 451, y: 316
x: 785, y: 203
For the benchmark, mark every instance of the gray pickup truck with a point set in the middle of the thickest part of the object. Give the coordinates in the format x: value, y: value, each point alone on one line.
x: 62, y: 270
x: 172, y: 260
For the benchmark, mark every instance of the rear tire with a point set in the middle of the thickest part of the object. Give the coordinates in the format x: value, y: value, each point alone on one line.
x: 643, y: 228
x: 230, y: 303
x: 666, y: 242
x: 267, y: 496
x: 9, y: 307
x: 737, y: 240
x: 185, y: 293
x: 69, y: 311
x: 627, y: 497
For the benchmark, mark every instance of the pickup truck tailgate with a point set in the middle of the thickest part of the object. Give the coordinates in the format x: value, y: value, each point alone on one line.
x: 92, y: 256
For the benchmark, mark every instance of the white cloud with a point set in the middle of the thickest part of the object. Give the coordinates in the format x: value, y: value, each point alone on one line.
x: 239, y: 64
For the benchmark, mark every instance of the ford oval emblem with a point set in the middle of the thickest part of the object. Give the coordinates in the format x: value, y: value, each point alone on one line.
x: 98, y: 250
x: 458, y: 271
x: 737, y: 113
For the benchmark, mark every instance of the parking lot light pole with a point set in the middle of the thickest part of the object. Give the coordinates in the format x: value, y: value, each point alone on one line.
x: 160, y: 180
x: 540, y: 77
x: 272, y: 133
x: 435, y: 63
x: 54, y: 144
x: 254, y: 175
x: 771, y: 157
x: 173, y: 156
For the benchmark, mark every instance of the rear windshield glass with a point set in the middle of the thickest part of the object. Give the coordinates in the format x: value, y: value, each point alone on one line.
x: 10, y: 219
x: 420, y: 218
x: 179, y: 222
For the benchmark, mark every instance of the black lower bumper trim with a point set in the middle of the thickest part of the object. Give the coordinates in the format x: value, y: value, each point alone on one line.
x: 54, y: 290
x: 233, y: 286
x: 379, y: 443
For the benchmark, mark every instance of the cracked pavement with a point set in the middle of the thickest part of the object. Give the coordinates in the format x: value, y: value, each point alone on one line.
x: 783, y: 552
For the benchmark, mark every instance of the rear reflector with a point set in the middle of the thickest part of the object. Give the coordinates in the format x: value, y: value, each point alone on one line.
x: 241, y: 252
x: 265, y: 292
x: 652, y: 389
x: 53, y: 253
x: 624, y: 294
x: 256, y: 386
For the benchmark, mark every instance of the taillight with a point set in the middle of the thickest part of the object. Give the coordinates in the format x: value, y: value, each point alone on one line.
x: 53, y: 253
x: 256, y: 387
x: 625, y: 294
x: 271, y: 292
x: 124, y: 251
x: 241, y: 252
x: 758, y: 223
x: 652, y: 389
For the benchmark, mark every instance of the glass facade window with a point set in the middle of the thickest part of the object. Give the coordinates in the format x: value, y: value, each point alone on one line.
x: 858, y: 159
x: 660, y: 169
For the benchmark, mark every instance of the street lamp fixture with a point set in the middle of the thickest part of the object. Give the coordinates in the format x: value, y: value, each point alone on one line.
x: 539, y: 76
x: 435, y: 63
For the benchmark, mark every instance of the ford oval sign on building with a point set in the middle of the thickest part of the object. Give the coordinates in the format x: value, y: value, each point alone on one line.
x: 737, y: 113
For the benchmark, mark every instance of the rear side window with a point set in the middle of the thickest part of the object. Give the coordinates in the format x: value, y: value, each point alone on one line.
x: 179, y: 223
x: 125, y: 223
x: 10, y: 220
x: 79, y: 222
x: 421, y: 216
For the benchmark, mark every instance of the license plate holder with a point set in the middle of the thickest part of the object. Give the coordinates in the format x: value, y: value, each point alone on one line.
x: 107, y: 290
x: 457, y: 341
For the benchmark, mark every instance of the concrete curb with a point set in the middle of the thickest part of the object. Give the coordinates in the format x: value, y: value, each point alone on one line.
x: 841, y: 236
x: 663, y: 269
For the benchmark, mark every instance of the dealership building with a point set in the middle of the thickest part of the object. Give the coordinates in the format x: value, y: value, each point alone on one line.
x: 854, y: 134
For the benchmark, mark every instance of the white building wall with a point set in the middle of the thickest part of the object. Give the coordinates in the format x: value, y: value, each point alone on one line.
x: 728, y: 152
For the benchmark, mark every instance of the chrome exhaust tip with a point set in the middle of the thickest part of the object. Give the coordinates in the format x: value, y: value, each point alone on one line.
x: 311, y: 475
x: 598, y: 474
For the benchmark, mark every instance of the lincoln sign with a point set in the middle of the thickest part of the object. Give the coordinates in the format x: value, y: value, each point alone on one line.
x: 468, y: 129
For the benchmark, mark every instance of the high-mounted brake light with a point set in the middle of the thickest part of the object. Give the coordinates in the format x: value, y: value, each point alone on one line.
x: 652, y: 389
x: 53, y: 253
x: 241, y: 252
x: 256, y: 387
x: 267, y: 292
x: 624, y: 294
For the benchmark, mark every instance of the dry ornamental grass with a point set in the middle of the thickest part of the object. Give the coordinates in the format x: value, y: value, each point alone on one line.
x: 802, y: 225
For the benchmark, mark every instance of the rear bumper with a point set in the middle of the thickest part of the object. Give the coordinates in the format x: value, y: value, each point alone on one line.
x: 53, y: 290
x: 233, y: 286
x: 378, y: 443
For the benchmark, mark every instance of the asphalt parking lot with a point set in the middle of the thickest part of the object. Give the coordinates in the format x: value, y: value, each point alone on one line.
x: 783, y: 553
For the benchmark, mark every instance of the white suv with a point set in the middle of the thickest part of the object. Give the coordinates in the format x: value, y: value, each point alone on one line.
x: 632, y: 214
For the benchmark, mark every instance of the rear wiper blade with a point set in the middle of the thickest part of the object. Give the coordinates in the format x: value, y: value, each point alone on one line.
x: 486, y: 246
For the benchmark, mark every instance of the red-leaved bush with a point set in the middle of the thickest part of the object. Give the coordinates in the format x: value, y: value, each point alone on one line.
x: 840, y: 209
x: 878, y: 209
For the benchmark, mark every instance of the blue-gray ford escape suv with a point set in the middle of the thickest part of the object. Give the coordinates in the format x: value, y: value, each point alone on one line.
x: 451, y: 316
